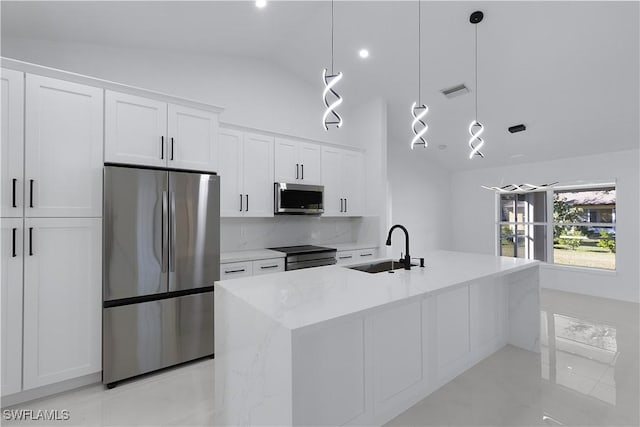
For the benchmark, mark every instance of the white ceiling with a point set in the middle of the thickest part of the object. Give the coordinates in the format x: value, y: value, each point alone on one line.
x: 568, y: 70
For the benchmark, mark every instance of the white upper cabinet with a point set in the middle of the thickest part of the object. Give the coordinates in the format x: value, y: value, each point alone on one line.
x: 258, y: 174
x: 230, y: 171
x: 135, y: 130
x: 11, y: 256
x: 12, y: 144
x: 62, y: 299
x: 148, y: 132
x: 246, y: 174
x: 297, y: 161
x: 192, y: 135
x: 63, y: 148
x: 342, y: 172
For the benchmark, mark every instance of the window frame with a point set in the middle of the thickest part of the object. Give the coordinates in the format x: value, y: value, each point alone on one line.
x: 550, y: 223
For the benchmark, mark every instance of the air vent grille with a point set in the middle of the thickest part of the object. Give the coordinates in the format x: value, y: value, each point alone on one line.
x: 454, y: 91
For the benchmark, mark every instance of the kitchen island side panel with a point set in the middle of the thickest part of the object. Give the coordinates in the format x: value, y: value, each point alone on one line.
x: 253, y: 360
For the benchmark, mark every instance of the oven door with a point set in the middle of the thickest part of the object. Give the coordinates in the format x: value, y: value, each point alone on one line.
x: 298, y: 198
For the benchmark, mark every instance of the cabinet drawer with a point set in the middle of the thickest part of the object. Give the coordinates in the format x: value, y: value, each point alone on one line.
x: 236, y: 269
x: 346, y: 257
x: 366, y: 254
x: 266, y: 266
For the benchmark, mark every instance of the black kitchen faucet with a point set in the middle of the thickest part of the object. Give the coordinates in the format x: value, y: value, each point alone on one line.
x: 407, y: 257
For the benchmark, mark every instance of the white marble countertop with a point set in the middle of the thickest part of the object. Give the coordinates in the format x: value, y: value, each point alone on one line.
x: 306, y: 297
x: 250, y: 255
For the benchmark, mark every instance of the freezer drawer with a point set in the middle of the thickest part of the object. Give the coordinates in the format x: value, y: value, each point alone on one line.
x: 144, y: 337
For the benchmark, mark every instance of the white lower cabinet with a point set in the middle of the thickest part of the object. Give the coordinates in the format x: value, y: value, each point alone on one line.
x: 233, y: 270
x: 11, y: 299
x: 266, y: 266
x: 356, y: 256
x: 452, y: 338
x: 62, y: 299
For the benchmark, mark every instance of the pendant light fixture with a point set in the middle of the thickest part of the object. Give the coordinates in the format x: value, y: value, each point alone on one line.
x: 475, y: 127
x: 330, y: 116
x: 418, y: 110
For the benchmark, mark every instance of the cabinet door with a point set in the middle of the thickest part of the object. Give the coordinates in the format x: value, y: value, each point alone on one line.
x: 352, y: 171
x: 257, y: 159
x: 11, y: 299
x: 347, y: 257
x: 331, y: 179
x: 135, y: 130
x: 310, y: 155
x: 192, y: 139
x: 286, y: 163
x: 230, y: 171
x: 62, y: 299
x: 63, y: 149
x: 12, y: 144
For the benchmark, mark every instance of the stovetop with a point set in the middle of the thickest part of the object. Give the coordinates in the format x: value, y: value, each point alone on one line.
x: 302, y: 249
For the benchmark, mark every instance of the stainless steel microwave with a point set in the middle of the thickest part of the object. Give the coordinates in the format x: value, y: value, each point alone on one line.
x: 298, y: 199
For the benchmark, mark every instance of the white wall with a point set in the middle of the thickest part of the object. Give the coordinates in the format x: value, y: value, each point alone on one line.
x: 420, y: 199
x: 473, y: 217
x: 255, y: 94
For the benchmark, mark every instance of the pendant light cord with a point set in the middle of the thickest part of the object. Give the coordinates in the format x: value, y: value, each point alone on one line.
x: 331, y: 36
x: 419, y: 58
x: 476, y: 71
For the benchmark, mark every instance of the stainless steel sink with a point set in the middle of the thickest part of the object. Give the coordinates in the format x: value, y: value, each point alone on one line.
x: 380, y: 266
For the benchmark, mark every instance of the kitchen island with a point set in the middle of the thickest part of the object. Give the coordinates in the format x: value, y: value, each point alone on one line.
x: 335, y: 346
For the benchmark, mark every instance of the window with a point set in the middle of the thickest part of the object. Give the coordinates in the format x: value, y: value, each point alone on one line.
x: 567, y: 226
x: 584, y: 228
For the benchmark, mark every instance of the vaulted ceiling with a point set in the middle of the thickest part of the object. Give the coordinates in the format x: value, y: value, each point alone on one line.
x: 568, y: 70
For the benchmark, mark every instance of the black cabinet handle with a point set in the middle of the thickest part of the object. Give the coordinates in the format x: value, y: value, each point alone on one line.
x: 30, y: 241
x: 264, y: 267
x: 345, y: 205
x: 234, y: 271
x: 341, y: 205
x: 241, y: 203
x: 13, y: 198
x: 246, y: 208
x: 171, y: 148
x: 302, y: 169
x: 297, y: 165
x: 162, y: 147
x: 31, y: 193
x: 13, y: 245
x: 366, y: 254
x: 345, y: 257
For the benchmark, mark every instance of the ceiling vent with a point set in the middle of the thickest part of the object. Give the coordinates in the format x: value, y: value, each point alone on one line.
x: 517, y: 128
x: 454, y: 91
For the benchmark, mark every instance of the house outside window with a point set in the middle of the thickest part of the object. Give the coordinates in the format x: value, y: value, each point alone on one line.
x: 565, y: 226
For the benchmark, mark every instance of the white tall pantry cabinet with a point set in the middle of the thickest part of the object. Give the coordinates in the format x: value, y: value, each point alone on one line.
x: 54, y: 235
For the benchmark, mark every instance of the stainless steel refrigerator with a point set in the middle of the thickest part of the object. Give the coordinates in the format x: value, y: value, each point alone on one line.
x: 161, y: 257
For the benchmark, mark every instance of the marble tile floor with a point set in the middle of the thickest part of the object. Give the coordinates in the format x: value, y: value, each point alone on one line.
x: 586, y: 375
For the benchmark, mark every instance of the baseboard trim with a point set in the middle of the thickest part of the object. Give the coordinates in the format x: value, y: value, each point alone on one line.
x: 49, y: 390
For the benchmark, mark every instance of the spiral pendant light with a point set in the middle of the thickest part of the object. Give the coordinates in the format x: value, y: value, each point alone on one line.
x: 419, y: 111
x: 330, y: 97
x: 475, y: 127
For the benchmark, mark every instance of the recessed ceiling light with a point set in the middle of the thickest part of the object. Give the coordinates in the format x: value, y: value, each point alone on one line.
x: 364, y: 53
x: 261, y: 3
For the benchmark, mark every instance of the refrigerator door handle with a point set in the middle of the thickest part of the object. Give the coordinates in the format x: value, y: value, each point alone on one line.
x: 164, y: 232
x: 172, y: 231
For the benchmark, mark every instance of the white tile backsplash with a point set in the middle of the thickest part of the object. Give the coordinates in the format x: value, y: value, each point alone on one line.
x: 239, y: 234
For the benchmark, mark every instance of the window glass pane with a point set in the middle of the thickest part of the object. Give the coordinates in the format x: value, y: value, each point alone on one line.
x: 507, y: 235
x: 588, y: 205
x: 530, y: 239
x: 507, y: 213
x: 585, y: 246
